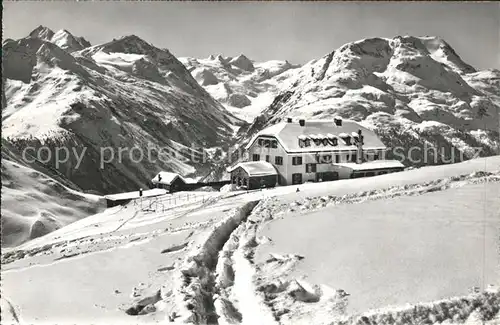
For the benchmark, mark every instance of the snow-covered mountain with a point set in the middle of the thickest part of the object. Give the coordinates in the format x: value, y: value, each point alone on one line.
x: 411, y: 90
x: 62, y: 38
x: 122, y: 94
x: 243, y: 86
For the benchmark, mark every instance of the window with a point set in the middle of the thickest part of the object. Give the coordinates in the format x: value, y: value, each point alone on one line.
x: 268, y: 158
x: 310, y: 168
x: 302, y: 143
x: 307, y: 142
x: 278, y: 160
x: 325, y: 159
x: 274, y: 144
x: 267, y: 143
x: 354, y: 157
x: 347, y: 140
x: 333, y: 141
x: 255, y: 157
x: 260, y: 142
x: 337, y: 158
x: 296, y: 160
x: 325, y: 142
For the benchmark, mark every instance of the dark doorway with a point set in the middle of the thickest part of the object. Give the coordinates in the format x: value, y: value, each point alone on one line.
x: 296, y: 178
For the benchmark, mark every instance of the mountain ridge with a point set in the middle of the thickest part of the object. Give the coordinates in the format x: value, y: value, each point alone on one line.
x: 404, y: 83
x: 98, y: 98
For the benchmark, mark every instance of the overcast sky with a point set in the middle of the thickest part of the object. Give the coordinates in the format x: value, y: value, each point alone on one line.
x: 297, y: 32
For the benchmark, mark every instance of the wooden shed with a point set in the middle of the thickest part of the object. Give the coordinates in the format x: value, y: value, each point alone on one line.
x: 123, y: 198
x: 172, y: 182
x: 253, y: 175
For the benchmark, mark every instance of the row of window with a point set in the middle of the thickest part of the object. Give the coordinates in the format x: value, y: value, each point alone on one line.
x: 327, y: 141
x: 267, y: 143
x: 320, y: 159
x: 278, y: 160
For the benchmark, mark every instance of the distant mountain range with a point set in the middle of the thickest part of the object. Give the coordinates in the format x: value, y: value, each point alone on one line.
x: 59, y: 90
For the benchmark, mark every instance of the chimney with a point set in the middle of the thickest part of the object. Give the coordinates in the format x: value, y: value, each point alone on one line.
x: 289, y: 120
x: 140, y: 192
x: 302, y: 122
x: 359, y: 144
x: 338, y: 121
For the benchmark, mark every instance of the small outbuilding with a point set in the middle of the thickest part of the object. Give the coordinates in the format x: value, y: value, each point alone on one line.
x: 253, y: 175
x: 172, y: 182
x: 123, y: 198
x: 370, y: 168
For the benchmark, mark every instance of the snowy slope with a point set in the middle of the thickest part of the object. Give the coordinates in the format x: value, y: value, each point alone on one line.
x: 122, y: 94
x: 243, y: 86
x: 37, y: 199
x: 412, y: 90
x: 34, y: 204
x: 210, y: 256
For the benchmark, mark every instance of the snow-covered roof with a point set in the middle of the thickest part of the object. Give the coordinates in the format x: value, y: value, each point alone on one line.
x: 255, y: 168
x: 287, y: 134
x: 167, y: 178
x: 135, y: 194
x: 371, y: 165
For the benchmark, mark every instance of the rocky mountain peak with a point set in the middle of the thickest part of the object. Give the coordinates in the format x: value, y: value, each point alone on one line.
x: 42, y: 32
x: 242, y: 62
x: 62, y: 38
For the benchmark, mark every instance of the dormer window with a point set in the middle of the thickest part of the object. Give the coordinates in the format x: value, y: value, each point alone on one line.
x: 346, y: 137
x: 332, y: 139
x: 260, y: 142
x: 302, y: 141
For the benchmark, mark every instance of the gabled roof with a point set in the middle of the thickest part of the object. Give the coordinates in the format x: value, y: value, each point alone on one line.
x: 255, y: 168
x: 289, y: 133
x: 372, y: 165
x: 135, y: 194
x: 167, y: 178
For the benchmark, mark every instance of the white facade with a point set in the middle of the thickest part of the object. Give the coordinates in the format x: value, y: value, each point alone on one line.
x: 284, y: 145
